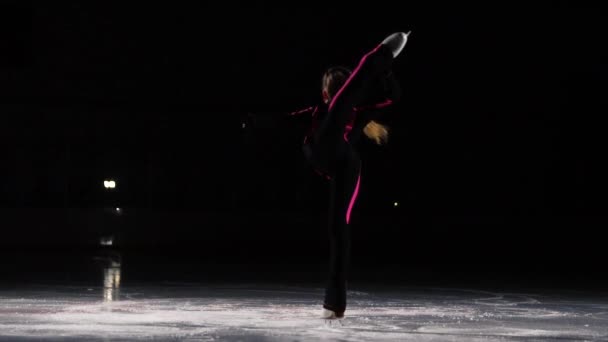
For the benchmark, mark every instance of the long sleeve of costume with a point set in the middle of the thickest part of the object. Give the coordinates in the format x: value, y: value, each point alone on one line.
x: 392, y: 88
x: 391, y: 93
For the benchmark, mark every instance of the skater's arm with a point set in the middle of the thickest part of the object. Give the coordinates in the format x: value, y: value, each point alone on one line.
x: 368, y: 116
x: 392, y: 88
x: 310, y: 110
x: 391, y: 93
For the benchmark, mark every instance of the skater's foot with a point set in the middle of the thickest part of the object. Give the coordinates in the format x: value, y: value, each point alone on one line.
x: 396, y: 42
x: 329, y: 314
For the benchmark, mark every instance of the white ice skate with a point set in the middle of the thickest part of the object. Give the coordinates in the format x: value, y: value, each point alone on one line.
x: 396, y: 42
x: 329, y: 314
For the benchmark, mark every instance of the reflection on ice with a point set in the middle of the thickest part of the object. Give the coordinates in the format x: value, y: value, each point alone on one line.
x: 110, y: 262
x: 111, y: 282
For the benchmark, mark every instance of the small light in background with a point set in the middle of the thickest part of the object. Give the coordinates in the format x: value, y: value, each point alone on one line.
x: 118, y: 210
x: 106, y: 241
x: 109, y: 184
x: 395, y: 204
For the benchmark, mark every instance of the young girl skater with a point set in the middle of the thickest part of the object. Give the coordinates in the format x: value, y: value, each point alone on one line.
x: 329, y: 147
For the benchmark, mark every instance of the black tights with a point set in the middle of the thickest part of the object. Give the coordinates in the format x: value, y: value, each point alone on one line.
x: 344, y: 187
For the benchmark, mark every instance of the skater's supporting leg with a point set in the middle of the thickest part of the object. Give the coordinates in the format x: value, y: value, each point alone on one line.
x: 344, y: 191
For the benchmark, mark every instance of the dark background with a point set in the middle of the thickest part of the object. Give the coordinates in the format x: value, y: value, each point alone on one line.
x: 496, y: 157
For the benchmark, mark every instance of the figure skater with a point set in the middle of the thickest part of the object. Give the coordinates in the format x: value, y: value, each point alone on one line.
x: 329, y: 147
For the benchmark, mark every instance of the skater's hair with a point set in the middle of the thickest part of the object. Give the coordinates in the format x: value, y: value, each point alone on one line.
x: 333, y: 79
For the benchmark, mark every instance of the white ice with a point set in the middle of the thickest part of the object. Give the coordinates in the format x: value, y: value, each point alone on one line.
x: 256, y: 312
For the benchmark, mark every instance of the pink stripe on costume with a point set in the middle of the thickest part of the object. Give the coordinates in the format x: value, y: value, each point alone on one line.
x: 331, y: 104
x: 349, y: 127
x: 352, y: 199
x: 381, y: 105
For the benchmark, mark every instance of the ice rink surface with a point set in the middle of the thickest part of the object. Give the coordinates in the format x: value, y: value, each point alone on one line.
x: 286, y: 312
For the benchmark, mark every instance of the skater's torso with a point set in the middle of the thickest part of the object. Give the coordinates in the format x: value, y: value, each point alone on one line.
x: 343, y: 141
x: 362, y: 113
